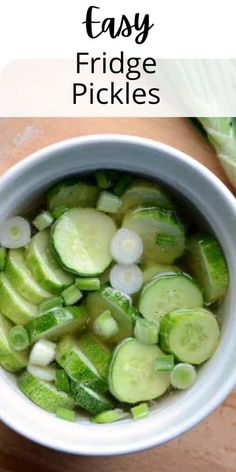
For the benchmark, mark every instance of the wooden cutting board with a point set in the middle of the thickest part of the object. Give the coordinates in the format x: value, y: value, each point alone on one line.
x: 211, y: 446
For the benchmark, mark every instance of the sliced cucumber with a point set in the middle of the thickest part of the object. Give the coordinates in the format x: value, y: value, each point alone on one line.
x: 44, y: 394
x: 120, y: 307
x: 207, y: 262
x: 56, y: 323
x: 43, y: 265
x: 72, y: 193
x: 97, y: 352
x: 77, y: 366
x: 13, y: 305
x: 191, y: 335
x: 132, y: 376
x: 10, y: 359
x: 90, y: 400
x: 143, y: 192
x: 82, y: 238
x: 167, y: 292
x: 22, y: 279
x: 151, y: 222
x: 109, y: 416
x: 155, y: 269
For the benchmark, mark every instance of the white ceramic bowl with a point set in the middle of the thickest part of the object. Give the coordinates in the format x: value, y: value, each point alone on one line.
x: 173, y: 414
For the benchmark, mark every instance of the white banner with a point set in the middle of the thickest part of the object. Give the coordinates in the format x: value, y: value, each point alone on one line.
x: 50, y: 66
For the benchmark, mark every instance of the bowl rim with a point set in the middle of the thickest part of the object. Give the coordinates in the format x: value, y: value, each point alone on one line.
x: 220, y: 395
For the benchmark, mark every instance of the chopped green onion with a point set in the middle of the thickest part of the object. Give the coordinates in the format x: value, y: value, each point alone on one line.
x: 104, y: 179
x: 58, y: 211
x: 140, y: 411
x: 3, y: 257
x: 65, y: 414
x: 105, y: 325
x: 88, y: 284
x: 109, y: 416
x: 18, y: 338
x: 62, y: 381
x: 50, y: 304
x: 165, y: 239
x: 164, y: 363
x: 43, y: 220
x: 146, y: 331
x: 108, y: 202
x: 183, y: 376
x: 122, y: 185
x: 71, y: 295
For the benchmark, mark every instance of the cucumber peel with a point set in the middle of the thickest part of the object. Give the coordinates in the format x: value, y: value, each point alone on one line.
x: 22, y: 279
x: 57, y: 323
x: 44, y: 394
x: 10, y: 359
x: 90, y: 400
x: 43, y: 265
x: 77, y: 366
x: 13, y: 305
x: 207, y: 262
x: 97, y: 352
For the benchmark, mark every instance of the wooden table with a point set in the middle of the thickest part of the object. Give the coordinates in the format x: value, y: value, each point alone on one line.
x: 211, y: 446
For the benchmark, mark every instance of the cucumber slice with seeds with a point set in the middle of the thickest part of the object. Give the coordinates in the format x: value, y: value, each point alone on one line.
x: 43, y: 265
x: 82, y: 238
x: 142, y: 192
x: 148, y: 223
x: 13, y: 305
x: 77, y: 366
x: 120, y: 307
x: 132, y: 376
x: 207, y: 262
x: 10, y: 359
x: 56, y: 323
x: 97, y: 352
x: 22, y: 279
x: 72, y: 193
x: 191, y: 335
x: 168, y: 292
x: 90, y: 400
x: 44, y: 394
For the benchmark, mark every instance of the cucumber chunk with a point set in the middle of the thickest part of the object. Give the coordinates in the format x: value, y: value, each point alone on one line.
x: 43, y: 265
x: 120, y: 308
x: 97, y: 352
x: 142, y: 192
x: 90, y: 400
x: 10, y: 359
x: 155, y: 269
x: 191, y: 335
x: 148, y: 223
x: 82, y: 238
x: 44, y: 394
x: 72, y: 193
x: 168, y: 292
x: 13, y: 305
x: 56, y: 323
x: 22, y: 279
x: 77, y: 366
x: 132, y: 376
x: 207, y: 262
